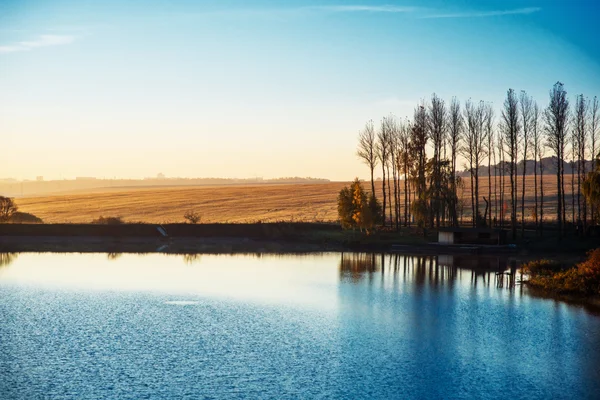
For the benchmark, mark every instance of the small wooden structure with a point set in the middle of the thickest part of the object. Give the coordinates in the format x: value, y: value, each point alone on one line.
x: 481, y: 236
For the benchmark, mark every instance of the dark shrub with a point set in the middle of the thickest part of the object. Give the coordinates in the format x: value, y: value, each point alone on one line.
x: 192, y: 217
x: 25, y: 218
x: 108, y: 221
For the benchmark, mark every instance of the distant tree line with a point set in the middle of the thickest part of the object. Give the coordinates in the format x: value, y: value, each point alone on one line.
x: 418, y: 161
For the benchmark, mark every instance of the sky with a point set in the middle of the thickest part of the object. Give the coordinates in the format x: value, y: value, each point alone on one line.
x: 260, y: 88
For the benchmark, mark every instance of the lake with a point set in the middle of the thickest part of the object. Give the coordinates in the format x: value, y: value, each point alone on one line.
x: 90, y: 326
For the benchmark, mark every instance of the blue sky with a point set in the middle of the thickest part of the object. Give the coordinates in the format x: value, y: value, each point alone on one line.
x: 260, y: 88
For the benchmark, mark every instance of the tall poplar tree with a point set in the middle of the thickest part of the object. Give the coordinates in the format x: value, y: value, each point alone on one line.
x: 556, y: 117
x: 511, y: 127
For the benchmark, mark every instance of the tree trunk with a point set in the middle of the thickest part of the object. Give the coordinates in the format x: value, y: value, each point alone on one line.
x: 564, y: 206
x: 394, y: 174
x: 406, y: 194
x: 389, y: 197
x: 559, y: 192
x: 495, y: 191
x: 523, y: 194
x: 502, y: 192
x: 513, y: 216
x: 411, y: 192
x: 473, y: 215
x: 580, y: 198
x: 454, y: 191
x: 372, y: 181
x: 573, y: 193
x: 490, y: 184
x: 535, y: 189
x: 476, y: 193
x: 578, y: 189
x: 383, y: 190
x: 541, y: 199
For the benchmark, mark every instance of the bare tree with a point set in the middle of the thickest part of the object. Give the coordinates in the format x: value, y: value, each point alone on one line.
x: 510, y: 127
x: 474, y: 150
x: 468, y: 151
x: 572, y: 163
x: 541, y: 151
x: 594, y: 123
x: 495, y: 162
x: 392, y: 128
x: 580, y: 143
x: 489, y: 132
x: 367, y: 150
x: 536, y: 141
x: 437, y: 120
x: 404, y: 156
x: 455, y: 129
x: 502, y: 169
x: 418, y: 143
x: 419, y: 136
x: 396, y: 166
x: 382, y: 156
x: 526, y: 103
x: 398, y: 161
x: 8, y: 208
x: 556, y: 117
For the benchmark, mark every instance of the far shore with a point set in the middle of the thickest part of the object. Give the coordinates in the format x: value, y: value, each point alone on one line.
x: 257, y: 237
x: 103, y: 244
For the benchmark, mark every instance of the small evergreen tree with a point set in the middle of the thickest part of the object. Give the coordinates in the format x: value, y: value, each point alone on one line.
x: 345, y: 209
x: 359, y: 204
x: 358, y: 208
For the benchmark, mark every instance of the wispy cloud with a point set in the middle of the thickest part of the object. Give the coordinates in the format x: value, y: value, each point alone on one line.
x: 416, y: 12
x: 484, y: 14
x: 362, y: 8
x: 41, y: 41
x: 305, y: 10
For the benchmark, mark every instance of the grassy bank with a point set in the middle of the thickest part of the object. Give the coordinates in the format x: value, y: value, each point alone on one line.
x: 14, y: 237
x: 195, y: 237
x: 547, y: 243
x: 254, y: 231
x: 580, y: 280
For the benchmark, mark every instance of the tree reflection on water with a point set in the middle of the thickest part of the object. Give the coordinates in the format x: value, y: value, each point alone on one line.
x: 431, y: 270
x: 7, y: 258
x: 191, y: 258
x: 113, y: 256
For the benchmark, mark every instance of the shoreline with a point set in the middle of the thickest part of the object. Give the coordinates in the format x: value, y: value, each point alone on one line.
x: 100, y: 244
x: 228, y: 244
x: 258, y: 237
x: 190, y: 245
x: 590, y: 303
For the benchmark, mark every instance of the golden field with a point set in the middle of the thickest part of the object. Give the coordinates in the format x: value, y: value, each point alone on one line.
x: 214, y: 203
x: 234, y: 203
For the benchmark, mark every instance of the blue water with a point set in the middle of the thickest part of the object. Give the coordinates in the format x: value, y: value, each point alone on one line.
x: 318, y: 326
